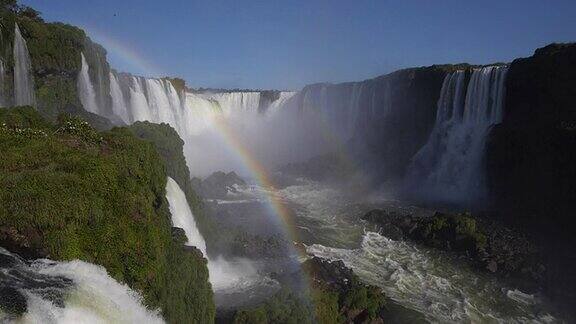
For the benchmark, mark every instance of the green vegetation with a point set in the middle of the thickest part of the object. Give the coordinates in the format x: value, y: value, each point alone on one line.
x: 226, y: 240
x: 69, y: 192
x: 171, y: 149
x: 336, y: 295
x: 458, y: 230
x: 55, y: 54
x: 283, y: 307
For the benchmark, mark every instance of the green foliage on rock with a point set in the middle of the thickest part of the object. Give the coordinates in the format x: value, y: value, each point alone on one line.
x: 54, y: 50
x: 458, y: 231
x: 171, y: 149
x: 284, y: 307
x: 335, y: 295
x: 74, y: 193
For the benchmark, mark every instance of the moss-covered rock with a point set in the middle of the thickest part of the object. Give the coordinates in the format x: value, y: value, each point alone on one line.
x: 74, y: 193
x: 171, y: 149
x: 335, y: 295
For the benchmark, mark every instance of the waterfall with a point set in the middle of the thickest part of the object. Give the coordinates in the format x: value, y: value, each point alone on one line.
x: 69, y: 292
x: 282, y: 100
x: 182, y: 215
x: 224, y: 274
x: 342, y: 107
x: 118, y: 102
x: 156, y: 100
x: 23, y: 79
x: 198, y: 119
x: 449, y: 165
x: 233, y: 102
x: 86, y: 89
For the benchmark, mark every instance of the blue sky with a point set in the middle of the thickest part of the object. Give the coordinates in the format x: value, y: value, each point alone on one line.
x: 288, y: 44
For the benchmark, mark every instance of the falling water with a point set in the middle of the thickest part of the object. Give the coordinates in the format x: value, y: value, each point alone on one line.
x: 23, y: 80
x: 182, y: 215
x: 69, y: 292
x: 449, y: 165
x: 224, y: 274
x: 156, y: 100
x: 86, y: 89
x: 231, y: 102
x: 118, y: 103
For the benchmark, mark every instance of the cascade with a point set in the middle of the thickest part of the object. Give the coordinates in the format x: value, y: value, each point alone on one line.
x: 23, y: 79
x: 223, y: 274
x: 449, y: 165
x: 138, y: 101
x: 70, y: 292
x: 182, y: 215
x: 232, y: 102
x: 118, y: 102
x: 283, y: 99
x: 86, y: 89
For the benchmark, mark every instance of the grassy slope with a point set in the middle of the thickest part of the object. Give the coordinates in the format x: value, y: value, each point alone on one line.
x: 100, y: 197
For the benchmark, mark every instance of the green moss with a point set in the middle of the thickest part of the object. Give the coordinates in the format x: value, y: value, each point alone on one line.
x: 326, y: 308
x: 368, y: 298
x: 456, y: 231
x: 100, y: 197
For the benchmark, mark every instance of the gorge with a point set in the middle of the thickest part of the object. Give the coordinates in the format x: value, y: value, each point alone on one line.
x: 113, y: 209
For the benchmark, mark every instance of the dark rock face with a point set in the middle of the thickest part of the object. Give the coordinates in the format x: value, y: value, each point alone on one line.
x: 385, y: 120
x: 531, y: 156
x: 27, y: 243
x: 540, y: 88
x: 12, y: 301
x: 531, y: 159
x: 386, y: 142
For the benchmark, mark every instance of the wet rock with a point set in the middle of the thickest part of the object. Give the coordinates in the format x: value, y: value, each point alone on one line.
x: 358, y: 302
x: 27, y: 243
x: 490, y: 246
x: 492, y: 266
x: 12, y: 301
x: 179, y: 235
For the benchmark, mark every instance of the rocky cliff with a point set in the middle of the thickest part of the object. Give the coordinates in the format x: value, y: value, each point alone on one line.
x: 531, y: 158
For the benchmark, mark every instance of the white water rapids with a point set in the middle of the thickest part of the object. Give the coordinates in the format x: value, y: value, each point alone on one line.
x: 89, y: 294
x: 436, y: 284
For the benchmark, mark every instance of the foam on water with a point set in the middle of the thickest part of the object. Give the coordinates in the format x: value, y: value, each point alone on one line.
x: 90, y: 295
x: 434, y: 283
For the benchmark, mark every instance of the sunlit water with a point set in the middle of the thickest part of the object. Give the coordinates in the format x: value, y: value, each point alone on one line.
x: 437, y: 284
x: 70, y: 292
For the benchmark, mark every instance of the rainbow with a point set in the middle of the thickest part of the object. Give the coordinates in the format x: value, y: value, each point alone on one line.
x: 133, y: 59
x: 126, y: 55
x: 260, y: 174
